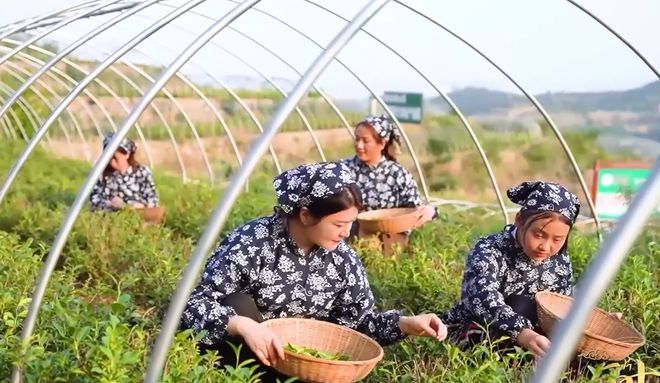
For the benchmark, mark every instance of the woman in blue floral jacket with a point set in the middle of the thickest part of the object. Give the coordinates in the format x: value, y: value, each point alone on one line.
x: 125, y: 182
x: 504, y: 270
x: 382, y: 181
x: 294, y: 263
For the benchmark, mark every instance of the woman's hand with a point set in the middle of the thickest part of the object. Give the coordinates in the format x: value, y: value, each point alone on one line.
x: 117, y: 202
x: 261, y: 340
x: 534, y: 342
x: 137, y: 205
x: 423, y: 325
x: 425, y: 214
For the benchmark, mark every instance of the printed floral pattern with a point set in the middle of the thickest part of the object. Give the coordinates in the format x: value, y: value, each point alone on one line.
x: 546, y: 196
x: 261, y: 259
x: 384, y: 186
x: 127, y: 145
x: 497, y: 268
x: 136, y: 185
x: 307, y: 183
x: 384, y: 127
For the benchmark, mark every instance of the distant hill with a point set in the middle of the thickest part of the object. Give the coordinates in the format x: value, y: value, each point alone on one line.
x: 479, y: 100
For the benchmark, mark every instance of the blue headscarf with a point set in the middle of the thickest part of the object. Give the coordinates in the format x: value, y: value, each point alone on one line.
x: 545, y: 196
x: 126, y: 144
x: 384, y: 127
x: 305, y: 184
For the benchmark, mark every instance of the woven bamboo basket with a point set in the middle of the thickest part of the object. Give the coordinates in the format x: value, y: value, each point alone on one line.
x: 388, y: 221
x: 364, y: 352
x: 606, y: 337
x: 153, y: 214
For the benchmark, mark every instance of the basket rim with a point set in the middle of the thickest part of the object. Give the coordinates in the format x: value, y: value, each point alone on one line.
x: 361, y: 215
x: 151, y: 208
x: 587, y: 332
x: 374, y: 360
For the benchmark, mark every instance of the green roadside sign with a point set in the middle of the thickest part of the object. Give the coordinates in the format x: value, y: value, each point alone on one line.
x: 615, y: 189
x: 407, y: 107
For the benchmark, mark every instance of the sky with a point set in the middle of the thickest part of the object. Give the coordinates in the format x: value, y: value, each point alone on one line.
x: 546, y: 45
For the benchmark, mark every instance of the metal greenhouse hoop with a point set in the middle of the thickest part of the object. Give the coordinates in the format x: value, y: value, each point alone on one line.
x: 54, y: 253
x: 597, y: 276
x: 221, y: 211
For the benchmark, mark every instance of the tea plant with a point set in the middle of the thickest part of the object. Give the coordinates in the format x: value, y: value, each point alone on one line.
x: 105, y: 302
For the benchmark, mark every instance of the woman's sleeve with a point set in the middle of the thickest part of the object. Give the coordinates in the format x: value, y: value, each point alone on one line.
x: 98, y: 199
x: 481, y: 292
x: 149, y: 192
x: 227, y: 271
x: 564, y: 272
x: 354, y: 308
x: 409, y: 192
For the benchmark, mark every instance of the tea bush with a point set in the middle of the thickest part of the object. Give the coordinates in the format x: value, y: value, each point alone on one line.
x: 104, y: 304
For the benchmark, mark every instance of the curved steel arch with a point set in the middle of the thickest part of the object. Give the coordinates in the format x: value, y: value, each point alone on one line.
x: 40, y: 95
x: 533, y: 100
x: 221, y: 211
x: 633, y: 208
x: 7, y: 90
x: 132, y: 84
x: 29, y: 112
x: 618, y: 36
x: 376, y: 97
x: 160, y: 115
x: 444, y: 95
x: 59, y: 78
x: 270, y: 81
x: 16, y: 121
x: 7, y: 134
x: 208, y: 102
x: 64, y: 52
x: 71, y: 116
x: 10, y: 134
x: 26, y: 23
x: 104, y: 27
x: 185, y: 115
x: 33, y: 61
x: 607, y: 261
x: 215, y: 112
x: 244, y: 107
x: 247, y: 109
x: 76, y: 207
x: 57, y: 26
x: 107, y: 62
x: 316, y: 88
x: 89, y: 94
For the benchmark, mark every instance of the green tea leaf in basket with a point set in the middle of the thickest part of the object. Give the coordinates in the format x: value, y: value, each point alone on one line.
x: 308, y: 351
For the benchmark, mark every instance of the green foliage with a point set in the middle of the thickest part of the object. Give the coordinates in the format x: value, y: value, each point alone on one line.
x: 426, y: 278
x: 104, y: 303
x: 442, y: 182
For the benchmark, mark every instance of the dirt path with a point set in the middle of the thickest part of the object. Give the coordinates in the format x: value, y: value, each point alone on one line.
x: 291, y: 148
x: 294, y: 148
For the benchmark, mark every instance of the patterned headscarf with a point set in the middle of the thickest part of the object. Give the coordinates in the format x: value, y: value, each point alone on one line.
x: 126, y: 144
x: 545, y: 196
x: 308, y: 183
x: 384, y: 127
